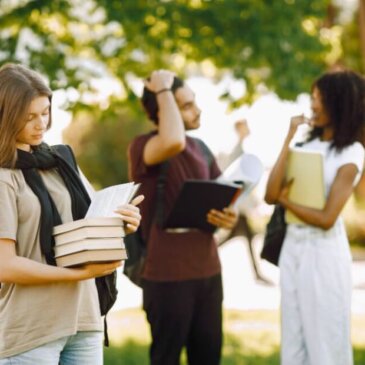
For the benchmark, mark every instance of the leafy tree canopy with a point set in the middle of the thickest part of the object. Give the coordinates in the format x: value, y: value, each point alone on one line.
x: 277, y: 45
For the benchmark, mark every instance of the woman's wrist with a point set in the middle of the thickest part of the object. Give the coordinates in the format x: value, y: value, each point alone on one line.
x: 166, y: 89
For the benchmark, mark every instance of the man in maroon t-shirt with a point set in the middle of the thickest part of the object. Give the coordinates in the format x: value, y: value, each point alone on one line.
x: 182, y: 286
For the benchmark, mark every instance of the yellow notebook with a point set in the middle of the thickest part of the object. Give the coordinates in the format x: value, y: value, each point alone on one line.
x: 306, y: 167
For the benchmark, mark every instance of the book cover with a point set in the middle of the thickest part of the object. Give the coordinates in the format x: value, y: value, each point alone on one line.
x: 88, y: 244
x: 196, y: 199
x: 91, y: 256
x: 306, y: 167
x: 83, y: 233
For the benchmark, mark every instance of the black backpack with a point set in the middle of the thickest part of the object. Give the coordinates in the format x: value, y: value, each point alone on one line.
x: 106, y: 285
x: 135, y: 243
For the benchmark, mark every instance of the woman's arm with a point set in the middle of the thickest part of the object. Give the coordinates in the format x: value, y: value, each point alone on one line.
x: 341, y: 190
x: 21, y: 270
x: 277, y: 174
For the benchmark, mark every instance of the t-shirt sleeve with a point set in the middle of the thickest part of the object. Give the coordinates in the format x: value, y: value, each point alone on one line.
x: 353, y: 154
x: 136, y: 166
x: 8, y: 212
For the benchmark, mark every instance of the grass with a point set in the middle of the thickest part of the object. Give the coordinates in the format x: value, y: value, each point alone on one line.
x: 251, y: 338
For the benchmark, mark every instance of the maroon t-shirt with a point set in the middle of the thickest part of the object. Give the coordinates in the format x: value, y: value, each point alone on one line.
x: 173, y: 256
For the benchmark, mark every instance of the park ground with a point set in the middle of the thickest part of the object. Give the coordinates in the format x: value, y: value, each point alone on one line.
x: 251, y: 314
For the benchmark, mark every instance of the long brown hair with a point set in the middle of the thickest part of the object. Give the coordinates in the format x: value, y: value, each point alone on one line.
x: 19, y: 86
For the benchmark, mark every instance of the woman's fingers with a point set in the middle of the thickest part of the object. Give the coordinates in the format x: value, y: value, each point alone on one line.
x: 137, y: 200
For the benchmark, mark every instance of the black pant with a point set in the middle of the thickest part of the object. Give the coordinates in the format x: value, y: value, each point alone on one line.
x: 187, y: 313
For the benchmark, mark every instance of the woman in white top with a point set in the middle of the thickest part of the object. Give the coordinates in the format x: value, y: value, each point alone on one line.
x: 48, y: 315
x: 315, y: 262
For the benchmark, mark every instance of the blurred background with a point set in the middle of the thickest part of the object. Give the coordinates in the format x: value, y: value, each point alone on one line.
x: 251, y: 59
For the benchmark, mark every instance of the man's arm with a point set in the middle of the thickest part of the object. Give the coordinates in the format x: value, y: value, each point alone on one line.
x: 170, y: 138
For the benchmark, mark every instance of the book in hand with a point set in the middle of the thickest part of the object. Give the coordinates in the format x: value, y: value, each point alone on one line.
x: 91, y: 256
x: 307, y: 189
x: 89, y: 244
x: 196, y: 199
x: 102, y: 227
x: 105, y: 201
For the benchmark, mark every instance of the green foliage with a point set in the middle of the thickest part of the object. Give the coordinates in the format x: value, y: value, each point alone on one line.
x: 272, y: 43
x: 350, y: 40
x: 100, y: 143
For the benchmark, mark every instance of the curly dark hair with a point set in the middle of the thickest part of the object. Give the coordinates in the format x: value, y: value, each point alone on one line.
x: 149, y: 100
x: 343, y: 98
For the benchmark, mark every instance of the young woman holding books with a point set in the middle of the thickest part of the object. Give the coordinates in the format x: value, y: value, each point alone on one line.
x: 48, y: 315
x: 315, y: 261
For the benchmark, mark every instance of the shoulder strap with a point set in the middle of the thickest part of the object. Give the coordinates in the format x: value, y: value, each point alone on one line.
x: 66, y: 152
x: 206, y: 151
x: 161, y: 182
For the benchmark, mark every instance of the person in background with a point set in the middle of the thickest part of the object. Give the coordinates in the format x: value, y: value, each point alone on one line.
x: 243, y: 227
x: 315, y: 261
x: 182, y: 287
x: 49, y: 315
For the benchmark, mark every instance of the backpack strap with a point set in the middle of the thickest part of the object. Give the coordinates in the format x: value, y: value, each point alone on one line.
x: 161, y: 182
x: 209, y: 158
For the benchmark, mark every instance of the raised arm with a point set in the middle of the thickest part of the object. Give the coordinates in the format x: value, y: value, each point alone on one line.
x: 170, y: 138
x: 277, y: 174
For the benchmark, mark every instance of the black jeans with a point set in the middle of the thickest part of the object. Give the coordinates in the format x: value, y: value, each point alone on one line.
x: 187, y: 313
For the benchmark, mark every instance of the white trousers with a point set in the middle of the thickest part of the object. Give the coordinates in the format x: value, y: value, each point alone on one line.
x: 315, y: 280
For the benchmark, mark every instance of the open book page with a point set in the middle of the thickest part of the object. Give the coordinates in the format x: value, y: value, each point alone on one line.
x: 105, y: 201
x: 248, y: 169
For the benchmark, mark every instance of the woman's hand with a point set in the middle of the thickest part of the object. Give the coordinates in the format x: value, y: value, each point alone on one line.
x: 295, y: 122
x: 130, y: 214
x: 227, y: 218
x: 159, y: 80
x: 96, y: 270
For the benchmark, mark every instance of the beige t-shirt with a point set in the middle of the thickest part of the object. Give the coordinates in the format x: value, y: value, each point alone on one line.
x: 31, y: 315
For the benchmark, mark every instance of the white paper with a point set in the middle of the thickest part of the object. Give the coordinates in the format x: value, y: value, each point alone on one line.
x: 105, y: 201
x: 246, y: 168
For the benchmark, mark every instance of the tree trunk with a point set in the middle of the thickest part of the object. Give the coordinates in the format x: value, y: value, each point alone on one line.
x: 362, y: 30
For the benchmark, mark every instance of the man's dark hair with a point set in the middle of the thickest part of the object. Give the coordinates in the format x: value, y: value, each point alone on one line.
x: 149, y: 100
x: 343, y: 99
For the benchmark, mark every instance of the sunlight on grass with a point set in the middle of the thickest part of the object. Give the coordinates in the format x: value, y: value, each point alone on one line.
x: 251, y: 338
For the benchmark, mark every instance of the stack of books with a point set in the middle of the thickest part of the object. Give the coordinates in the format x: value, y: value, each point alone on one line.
x: 89, y: 240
